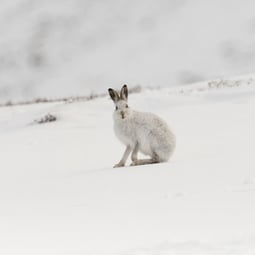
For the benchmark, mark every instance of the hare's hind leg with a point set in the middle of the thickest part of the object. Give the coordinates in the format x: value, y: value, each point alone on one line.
x: 140, y: 162
x: 124, y: 157
x: 154, y: 160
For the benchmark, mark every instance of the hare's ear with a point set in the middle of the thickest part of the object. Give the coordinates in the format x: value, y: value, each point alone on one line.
x: 124, y: 92
x: 114, y: 95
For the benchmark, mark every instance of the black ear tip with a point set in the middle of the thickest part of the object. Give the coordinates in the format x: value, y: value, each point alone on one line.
x: 125, y: 86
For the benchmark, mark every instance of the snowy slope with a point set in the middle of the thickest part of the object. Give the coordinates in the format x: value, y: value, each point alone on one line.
x: 56, y: 48
x: 60, y: 195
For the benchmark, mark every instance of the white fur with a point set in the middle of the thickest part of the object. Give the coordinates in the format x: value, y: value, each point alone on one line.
x: 144, y: 132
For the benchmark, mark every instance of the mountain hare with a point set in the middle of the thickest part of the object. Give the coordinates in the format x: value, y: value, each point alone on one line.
x: 140, y: 131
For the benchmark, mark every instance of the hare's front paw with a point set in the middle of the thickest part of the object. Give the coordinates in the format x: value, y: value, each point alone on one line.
x: 120, y: 164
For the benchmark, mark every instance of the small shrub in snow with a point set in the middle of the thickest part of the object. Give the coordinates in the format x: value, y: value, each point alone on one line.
x: 229, y: 83
x: 47, y: 118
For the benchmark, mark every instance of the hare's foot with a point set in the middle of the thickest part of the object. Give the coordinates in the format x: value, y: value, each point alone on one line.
x: 124, y: 157
x: 120, y: 164
x: 140, y: 162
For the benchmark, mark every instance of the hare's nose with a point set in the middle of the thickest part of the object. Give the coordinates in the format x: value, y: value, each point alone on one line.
x: 122, y: 114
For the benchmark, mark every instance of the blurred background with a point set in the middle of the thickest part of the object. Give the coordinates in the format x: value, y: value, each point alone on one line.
x: 62, y: 48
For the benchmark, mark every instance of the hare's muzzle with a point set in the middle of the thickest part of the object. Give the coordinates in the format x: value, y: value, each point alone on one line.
x: 122, y: 114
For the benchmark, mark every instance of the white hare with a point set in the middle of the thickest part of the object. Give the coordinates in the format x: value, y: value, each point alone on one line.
x: 140, y: 131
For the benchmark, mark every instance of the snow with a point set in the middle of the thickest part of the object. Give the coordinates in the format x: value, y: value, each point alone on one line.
x: 55, y: 48
x: 60, y: 195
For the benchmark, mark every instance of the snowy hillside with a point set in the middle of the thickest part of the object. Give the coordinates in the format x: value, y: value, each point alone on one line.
x: 60, y: 195
x: 56, y: 48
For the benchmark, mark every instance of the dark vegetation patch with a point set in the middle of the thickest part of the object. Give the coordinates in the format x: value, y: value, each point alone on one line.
x: 92, y: 96
x: 47, y: 118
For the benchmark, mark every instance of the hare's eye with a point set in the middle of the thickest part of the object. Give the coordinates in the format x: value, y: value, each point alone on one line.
x: 116, y: 108
x: 126, y: 106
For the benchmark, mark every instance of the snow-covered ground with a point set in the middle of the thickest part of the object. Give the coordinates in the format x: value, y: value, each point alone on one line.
x: 60, y: 195
x: 58, y: 48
